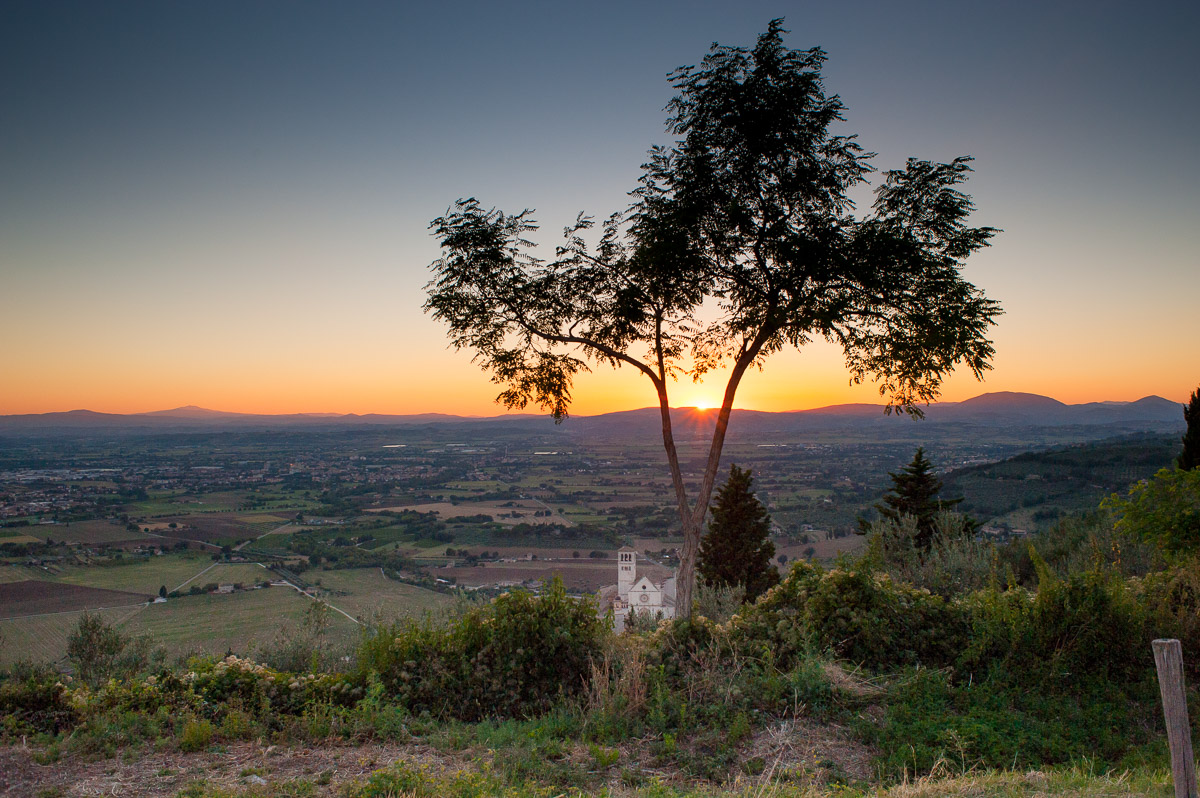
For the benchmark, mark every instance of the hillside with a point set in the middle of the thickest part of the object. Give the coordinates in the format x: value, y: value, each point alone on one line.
x: 1034, y: 489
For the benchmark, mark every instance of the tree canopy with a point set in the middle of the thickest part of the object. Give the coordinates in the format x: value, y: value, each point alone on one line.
x: 741, y: 240
x: 737, y: 549
x: 914, y: 493
x: 1189, y: 457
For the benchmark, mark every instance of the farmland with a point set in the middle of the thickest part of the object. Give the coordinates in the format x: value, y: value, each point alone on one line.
x: 43, y: 638
x: 216, y: 623
x: 368, y: 525
x: 366, y: 593
x: 40, y: 597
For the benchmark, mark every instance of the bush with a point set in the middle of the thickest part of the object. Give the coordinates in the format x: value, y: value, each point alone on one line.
x: 34, y: 701
x: 1088, y: 625
x: 512, y: 658
x: 861, y: 616
x: 1164, y: 509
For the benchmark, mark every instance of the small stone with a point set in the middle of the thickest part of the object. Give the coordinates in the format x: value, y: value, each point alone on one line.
x: 258, y: 780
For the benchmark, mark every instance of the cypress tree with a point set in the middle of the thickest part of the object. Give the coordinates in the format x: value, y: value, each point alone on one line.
x: 737, y: 549
x: 914, y: 492
x: 1189, y: 458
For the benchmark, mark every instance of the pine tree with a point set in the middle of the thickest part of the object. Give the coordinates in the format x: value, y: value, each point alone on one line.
x: 1189, y: 458
x: 915, y: 493
x: 737, y: 549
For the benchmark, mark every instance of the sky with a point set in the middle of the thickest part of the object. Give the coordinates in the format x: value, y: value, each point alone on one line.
x: 227, y: 204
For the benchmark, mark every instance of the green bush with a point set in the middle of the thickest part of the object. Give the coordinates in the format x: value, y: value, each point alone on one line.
x: 35, y: 702
x: 860, y: 615
x: 513, y: 657
x: 1164, y: 509
x: 1088, y: 625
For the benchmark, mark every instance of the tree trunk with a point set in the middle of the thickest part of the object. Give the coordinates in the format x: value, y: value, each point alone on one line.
x: 692, y: 516
x: 685, y: 579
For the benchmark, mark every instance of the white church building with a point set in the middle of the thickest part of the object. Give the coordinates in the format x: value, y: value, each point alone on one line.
x: 637, y: 594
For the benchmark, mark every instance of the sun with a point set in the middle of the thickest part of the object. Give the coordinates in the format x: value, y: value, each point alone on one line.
x: 703, y: 403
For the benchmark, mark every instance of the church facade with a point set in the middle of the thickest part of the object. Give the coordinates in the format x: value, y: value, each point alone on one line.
x: 634, y: 594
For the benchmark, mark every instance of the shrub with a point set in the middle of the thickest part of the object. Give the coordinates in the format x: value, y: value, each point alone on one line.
x: 34, y: 701
x: 1087, y: 625
x: 1164, y: 509
x: 196, y: 734
x: 861, y: 616
x: 513, y: 657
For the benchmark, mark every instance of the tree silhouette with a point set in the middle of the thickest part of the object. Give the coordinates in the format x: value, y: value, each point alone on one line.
x: 915, y: 492
x: 741, y: 241
x: 1189, y: 458
x: 737, y: 549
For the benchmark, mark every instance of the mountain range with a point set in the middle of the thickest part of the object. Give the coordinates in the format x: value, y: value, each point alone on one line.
x: 999, y: 409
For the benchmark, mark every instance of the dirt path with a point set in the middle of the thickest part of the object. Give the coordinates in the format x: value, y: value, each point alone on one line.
x: 329, y: 766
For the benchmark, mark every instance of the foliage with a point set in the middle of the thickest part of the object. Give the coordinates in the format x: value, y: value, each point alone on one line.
x: 914, y: 493
x: 513, y: 657
x: 1164, y: 509
x: 954, y: 565
x: 1171, y: 598
x: 748, y: 213
x: 34, y: 700
x: 719, y: 603
x: 1088, y: 625
x: 100, y: 651
x: 1189, y: 457
x: 305, y: 646
x: 737, y: 549
x: 933, y: 722
x: 862, y: 616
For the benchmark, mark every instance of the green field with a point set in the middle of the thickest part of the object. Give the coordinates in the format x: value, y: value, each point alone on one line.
x: 43, y: 638
x: 143, y: 575
x: 366, y: 593
x: 213, y: 624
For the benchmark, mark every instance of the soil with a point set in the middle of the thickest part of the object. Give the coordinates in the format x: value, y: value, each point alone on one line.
x: 35, y: 596
x: 166, y: 773
x: 796, y: 751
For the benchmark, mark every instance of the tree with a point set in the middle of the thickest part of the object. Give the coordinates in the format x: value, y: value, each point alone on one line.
x: 94, y: 645
x: 1189, y: 458
x: 914, y: 493
x: 162, y: 591
x: 1164, y: 509
x: 741, y: 240
x: 737, y: 549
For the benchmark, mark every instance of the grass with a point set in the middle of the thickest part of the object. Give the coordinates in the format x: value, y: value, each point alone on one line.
x: 369, y: 594
x: 213, y: 624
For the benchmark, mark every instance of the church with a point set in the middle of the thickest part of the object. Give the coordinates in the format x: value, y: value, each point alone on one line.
x: 636, y: 594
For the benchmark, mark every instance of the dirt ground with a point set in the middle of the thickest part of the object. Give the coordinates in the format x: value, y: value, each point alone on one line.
x: 166, y: 773
x: 795, y: 751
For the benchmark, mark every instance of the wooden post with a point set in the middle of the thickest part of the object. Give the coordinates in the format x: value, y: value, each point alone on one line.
x: 1168, y: 658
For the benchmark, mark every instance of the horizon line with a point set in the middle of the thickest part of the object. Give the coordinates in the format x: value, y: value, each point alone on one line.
x: 525, y: 413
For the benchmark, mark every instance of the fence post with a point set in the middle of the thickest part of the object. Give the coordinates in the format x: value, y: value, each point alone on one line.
x: 1168, y: 659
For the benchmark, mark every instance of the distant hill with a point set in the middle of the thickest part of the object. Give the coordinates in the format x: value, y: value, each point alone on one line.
x: 1034, y: 489
x: 989, y: 410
